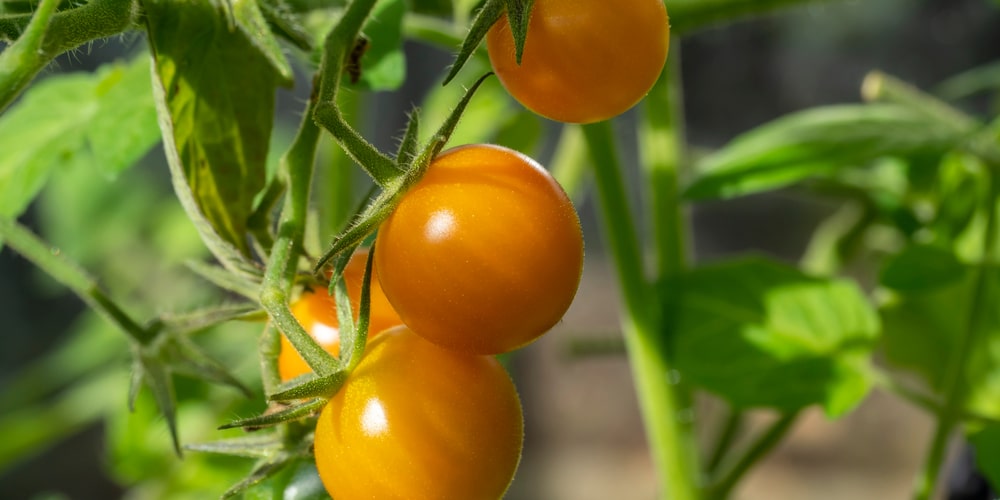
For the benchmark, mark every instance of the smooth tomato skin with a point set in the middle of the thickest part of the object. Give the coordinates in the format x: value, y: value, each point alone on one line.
x: 584, y: 60
x: 316, y: 310
x: 415, y: 421
x: 484, y: 254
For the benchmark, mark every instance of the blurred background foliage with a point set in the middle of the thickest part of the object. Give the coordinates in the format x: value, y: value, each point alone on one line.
x: 64, y: 372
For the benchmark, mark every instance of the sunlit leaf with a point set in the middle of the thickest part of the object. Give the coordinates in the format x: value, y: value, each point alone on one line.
x: 817, y: 142
x: 105, y: 119
x: 219, y: 93
x: 762, y: 334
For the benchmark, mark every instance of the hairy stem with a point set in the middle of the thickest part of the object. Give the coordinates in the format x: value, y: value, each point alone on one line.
x: 64, y: 271
x: 42, y: 37
x: 283, y: 261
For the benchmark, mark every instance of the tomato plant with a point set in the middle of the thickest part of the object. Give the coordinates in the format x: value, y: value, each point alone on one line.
x: 317, y: 312
x: 415, y: 421
x: 484, y: 254
x: 584, y: 60
x: 478, y: 249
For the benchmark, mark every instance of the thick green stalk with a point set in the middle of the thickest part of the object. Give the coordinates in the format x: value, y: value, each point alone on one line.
x: 49, y: 34
x: 661, y: 147
x: 69, y: 274
x: 954, y: 387
x: 668, y: 429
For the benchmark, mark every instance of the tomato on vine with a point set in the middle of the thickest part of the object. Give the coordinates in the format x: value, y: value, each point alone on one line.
x: 316, y: 311
x: 483, y: 254
x: 415, y: 421
x: 584, y: 60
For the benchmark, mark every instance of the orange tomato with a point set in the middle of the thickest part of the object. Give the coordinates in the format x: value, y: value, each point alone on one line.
x: 584, y: 60
x: 415, y: 421
x: 316, y: 310
x: 482, y: 255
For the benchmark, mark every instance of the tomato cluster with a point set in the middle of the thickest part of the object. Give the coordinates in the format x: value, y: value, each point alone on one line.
x: 481, y: 256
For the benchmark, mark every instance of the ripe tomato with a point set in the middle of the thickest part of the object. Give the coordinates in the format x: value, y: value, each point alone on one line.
x: 316, y: 310
x: 484, y: 253
x: 415, y: 421
x: 584, y: 60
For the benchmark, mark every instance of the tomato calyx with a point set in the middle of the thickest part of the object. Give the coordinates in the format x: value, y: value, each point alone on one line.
x: 518, y: 13
x: 413, y: 164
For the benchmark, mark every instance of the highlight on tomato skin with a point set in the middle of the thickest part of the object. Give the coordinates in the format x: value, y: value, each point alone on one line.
x: 316, y: 311
x: 484, y: 254
x: 584, y: 61
x: 414, y: 421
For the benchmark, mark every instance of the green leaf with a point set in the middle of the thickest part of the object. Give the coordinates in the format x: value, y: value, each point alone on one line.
x: 979, y: 79
x: 762, y: 334
x: 219, y: 95
x: 923, y: 331
x: 124, y: 127
x: 920, y: 268
x: 987, y: 445
x: 816, y: 142
x: 251, y: 22
x: 106, y: 119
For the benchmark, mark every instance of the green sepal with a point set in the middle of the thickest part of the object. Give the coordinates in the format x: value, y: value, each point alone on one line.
x: 379, y: 209
x: 518, y: 16
x: 200, y: 319
x: 260, y: 472
x: 293, y: 412
x: 155, y: 373
x: 408, y: 145
x: 488, y: 15
x: 186, y: 358
x: 258, y: 445
x: 310, y: 386
x: 245, y: 283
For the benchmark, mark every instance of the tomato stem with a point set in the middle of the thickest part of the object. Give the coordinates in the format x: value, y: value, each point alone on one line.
x: 662, y: 399
x: 339, y: 42
x: 730, y: 429
x: 49, y: 33
x: 297, y: 163
x: 955, y: 383
x: 66, y: 272
x: 764, y: 444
